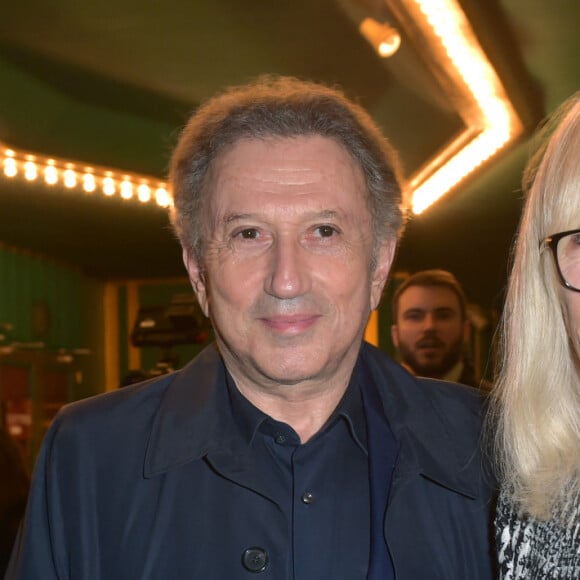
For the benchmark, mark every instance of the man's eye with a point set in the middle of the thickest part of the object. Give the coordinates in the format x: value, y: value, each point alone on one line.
x: 248, y: 234
x: 445, y: 316
x: 413, y: 317
x: 325, y: 231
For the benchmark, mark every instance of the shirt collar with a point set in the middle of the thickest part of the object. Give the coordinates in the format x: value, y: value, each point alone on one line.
x: 351, y: 410
x: 455, y: 372
x: 250, y: 419
x: 453, y: 375
x: 247, y: 417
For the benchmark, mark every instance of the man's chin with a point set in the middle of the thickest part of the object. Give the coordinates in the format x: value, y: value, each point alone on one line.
x: 428, y: 369
x: 431, y: 373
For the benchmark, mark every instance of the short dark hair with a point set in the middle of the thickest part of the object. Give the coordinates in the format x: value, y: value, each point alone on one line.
x: 441, y: 278
x: 285, y: 107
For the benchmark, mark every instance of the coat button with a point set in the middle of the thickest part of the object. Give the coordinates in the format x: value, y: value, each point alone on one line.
x: 307, y: 497
x: 255, y: 559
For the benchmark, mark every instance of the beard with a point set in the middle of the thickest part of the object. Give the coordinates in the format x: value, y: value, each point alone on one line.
x: 436, y: 367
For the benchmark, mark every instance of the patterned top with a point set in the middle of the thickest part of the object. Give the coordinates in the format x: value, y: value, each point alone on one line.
x: 537, y: 550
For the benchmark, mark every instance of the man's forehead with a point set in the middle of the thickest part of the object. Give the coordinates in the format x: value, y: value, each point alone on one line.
x: 312, y: 168
x: 289, y: 143
x: 429, y: 298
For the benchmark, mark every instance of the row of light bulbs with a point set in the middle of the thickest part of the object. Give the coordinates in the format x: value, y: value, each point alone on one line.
x: 498, y: 124
x: 89, y: 179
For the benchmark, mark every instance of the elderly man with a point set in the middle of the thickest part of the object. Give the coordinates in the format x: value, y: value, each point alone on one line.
x: 287, y: 450
x: 430, y: 327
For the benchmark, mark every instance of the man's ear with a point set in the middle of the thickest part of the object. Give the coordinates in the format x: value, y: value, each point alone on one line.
x: 197, y: 279
x: 380, y: 275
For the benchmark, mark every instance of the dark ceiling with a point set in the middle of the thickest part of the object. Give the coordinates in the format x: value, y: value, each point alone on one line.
x: 111, y: 83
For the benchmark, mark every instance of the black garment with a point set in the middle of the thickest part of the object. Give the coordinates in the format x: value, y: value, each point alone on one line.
x: 322, y: 486
x: 155, y: 481
x: 13, y: 491
x: 531, y: 548
x: 383, y: 451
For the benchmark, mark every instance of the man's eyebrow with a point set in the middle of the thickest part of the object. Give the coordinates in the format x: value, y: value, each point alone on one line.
x: 413, y: 311
x: 326, y: 214
x: 445, y: 310
x: 233, y: 217
x: 238, y: 216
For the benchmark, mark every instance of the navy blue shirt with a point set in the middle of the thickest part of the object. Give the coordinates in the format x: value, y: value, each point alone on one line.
x: 322, y: 486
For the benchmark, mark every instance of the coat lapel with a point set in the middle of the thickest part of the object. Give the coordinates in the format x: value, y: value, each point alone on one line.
x: 423, y: 429
x: 194, y: 422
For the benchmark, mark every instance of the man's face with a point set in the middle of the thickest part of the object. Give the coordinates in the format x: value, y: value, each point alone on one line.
x: 429, y: 331
x: 286, y: 278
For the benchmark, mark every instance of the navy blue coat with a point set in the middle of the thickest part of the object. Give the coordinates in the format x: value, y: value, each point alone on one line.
x: 152, y: 482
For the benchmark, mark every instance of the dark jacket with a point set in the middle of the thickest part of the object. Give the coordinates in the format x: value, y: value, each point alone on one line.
x: 153, y: 482
x: 13, y: 492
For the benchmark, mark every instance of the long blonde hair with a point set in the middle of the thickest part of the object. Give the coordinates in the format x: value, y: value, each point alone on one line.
x: 536, y: 401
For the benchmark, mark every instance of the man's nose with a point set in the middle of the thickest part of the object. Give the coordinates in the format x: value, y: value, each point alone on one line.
x: 429, y: 321
x: 289, y: 273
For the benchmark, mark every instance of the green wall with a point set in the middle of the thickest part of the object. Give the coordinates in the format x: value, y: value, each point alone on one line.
x: 54, y: 304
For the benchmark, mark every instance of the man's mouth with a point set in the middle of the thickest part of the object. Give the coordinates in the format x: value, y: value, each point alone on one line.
x: 430, y: 344
x: 290, y: 323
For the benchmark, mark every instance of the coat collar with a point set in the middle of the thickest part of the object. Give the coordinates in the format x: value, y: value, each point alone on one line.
x: 194, y: 419
x: 434, y: 422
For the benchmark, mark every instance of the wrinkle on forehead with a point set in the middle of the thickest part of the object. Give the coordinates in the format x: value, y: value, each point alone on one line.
x: 283, y: 181
x: 288, y: 168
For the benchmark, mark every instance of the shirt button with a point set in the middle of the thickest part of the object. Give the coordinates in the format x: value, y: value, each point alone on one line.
x: 280, y: 439
x: 307, y: 497
x: 255, y: 559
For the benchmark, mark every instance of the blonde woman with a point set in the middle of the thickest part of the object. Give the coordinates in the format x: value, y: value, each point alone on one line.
x: 536, y: 408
